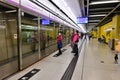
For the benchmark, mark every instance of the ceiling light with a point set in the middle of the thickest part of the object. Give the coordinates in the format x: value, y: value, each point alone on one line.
x: 69, y: 12
x: 64, y: 2
x: 109, y: 29
x: 35, y: 18
x: 97, y: 15
x: 94, y: 20
x: 74, y: 18
x: 103, y: 2
x: 10, y: 11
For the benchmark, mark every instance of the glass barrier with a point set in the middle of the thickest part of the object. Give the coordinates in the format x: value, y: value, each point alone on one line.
x: 29, y: 35
x: 8, y: 40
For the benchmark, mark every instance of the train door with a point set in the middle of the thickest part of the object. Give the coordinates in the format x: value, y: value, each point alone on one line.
x: 8, y: 40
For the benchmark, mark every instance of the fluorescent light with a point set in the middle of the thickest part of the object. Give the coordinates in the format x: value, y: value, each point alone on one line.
x: 97, y: 15
x: 74, y: 18
x: 64, y: 2
x: 35, y: 18
x: 94, y: 20
x: 69, y: 9
x: 103, y: 2
x: 81, y: 27
x: 109, y: 29
x: 10, y: 11
x: 49, y: 29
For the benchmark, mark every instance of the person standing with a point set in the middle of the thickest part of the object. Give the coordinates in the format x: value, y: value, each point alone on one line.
x: 117, y: 51
x: 75, y: 42
x: 59, y: 43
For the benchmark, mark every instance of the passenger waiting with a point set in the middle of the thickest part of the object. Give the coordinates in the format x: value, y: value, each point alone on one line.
x: 75, y: 42
x: 103, y: 39
x: 59, y: 44
x: 72, y: 44
x: 117, y: 51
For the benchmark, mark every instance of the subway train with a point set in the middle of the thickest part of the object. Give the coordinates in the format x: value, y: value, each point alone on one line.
x: 26, y: 37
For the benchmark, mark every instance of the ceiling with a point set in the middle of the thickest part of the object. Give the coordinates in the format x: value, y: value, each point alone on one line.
x: 72, y: 9
x: 100, y: 14
x: 75, y: 7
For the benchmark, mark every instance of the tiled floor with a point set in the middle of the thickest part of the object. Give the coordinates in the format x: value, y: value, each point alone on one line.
x: 51, y: 68
x: 96, y: 62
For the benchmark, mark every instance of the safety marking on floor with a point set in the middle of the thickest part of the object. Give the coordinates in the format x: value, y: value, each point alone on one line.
x: 29, y: 74
x: 69, y: 71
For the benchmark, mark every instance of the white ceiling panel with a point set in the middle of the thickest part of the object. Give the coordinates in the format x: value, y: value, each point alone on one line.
x: 75, y: 7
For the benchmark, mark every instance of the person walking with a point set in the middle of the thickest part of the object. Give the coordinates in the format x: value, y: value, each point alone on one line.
x: 116, y: 58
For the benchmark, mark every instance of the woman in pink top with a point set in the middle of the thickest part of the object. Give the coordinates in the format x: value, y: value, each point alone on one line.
x: 76, y: 37
x: 59, y: 38
x: 59, y: 44
x: 75, y: 41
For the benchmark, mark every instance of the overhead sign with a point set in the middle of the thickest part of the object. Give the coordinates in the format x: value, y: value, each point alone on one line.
x: 82, y: 20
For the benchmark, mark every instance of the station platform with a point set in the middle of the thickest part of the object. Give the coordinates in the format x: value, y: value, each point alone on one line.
x: 95, y: 62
